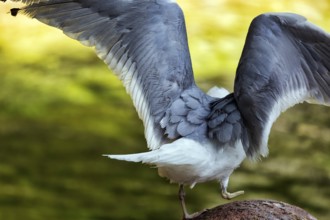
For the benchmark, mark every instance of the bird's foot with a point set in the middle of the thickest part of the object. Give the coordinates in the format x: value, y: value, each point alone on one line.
x: 194, y: 215
x: 186, y: 215
x: 228, y: 195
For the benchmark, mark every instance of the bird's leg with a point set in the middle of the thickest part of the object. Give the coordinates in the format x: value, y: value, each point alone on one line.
x: 224, y: 193
x: 182, y: 195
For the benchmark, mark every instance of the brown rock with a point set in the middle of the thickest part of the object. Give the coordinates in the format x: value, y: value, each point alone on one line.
x: 255, y: 209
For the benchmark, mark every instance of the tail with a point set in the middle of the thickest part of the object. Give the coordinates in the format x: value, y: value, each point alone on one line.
x: 146, y: 157
x: 180, y: 152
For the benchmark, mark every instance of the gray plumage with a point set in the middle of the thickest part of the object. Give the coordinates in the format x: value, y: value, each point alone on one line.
x: 145, y: 43
x: 195, y: 137
x: 285, y: 61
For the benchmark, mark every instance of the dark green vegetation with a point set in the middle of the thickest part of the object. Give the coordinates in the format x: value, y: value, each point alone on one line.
x: 60, y: 110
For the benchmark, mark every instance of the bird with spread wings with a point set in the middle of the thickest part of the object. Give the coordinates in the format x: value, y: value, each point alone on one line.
x: 192, y: 136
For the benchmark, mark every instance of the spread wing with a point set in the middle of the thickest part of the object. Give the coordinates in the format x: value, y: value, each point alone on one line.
x: 143, y: 41
x: 285, y: 61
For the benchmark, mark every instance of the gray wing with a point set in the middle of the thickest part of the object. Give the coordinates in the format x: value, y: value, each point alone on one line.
x: 143, y: 41
x: 285, y: 61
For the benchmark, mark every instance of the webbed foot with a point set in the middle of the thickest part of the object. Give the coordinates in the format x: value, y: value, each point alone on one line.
x: 194, y: 215
x: 186, y: 215
x: 228, y: 195
x: 224, y: 193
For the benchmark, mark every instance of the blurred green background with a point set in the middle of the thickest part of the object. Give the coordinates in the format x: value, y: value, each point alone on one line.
x: 61, y: 109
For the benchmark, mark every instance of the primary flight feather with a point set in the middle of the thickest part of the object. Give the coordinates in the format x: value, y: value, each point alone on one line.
x: 195, y: 137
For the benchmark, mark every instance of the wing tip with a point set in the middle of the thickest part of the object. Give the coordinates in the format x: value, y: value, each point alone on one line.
x: 284, y: 18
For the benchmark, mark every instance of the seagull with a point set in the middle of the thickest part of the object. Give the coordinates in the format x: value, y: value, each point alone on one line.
x: 192, y: 136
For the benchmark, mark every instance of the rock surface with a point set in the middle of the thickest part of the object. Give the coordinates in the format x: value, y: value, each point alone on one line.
x: 255, y: 209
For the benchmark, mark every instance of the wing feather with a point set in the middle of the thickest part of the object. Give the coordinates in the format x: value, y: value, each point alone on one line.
x: 143, y: 41
x: 285, y: 61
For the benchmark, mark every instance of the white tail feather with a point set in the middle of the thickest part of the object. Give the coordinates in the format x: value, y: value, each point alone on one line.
x: 180, y: 152
x: 145, y: 157
x: 189, y: 162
